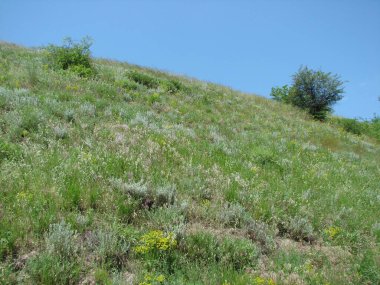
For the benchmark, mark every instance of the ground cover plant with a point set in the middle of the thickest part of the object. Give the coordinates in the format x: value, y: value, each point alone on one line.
x: 135, y: 176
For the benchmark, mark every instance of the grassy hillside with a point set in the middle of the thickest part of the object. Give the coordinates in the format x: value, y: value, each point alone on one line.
x: 135, y: 176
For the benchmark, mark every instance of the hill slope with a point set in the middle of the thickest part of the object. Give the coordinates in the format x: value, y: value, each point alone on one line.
x: 138, y: 176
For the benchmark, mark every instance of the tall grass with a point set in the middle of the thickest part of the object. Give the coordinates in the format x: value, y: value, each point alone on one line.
x: 252, y: 191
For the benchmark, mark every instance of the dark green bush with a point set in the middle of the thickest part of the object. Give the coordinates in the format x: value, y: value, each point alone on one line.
x: 314, y: 91
x: 72, y: 56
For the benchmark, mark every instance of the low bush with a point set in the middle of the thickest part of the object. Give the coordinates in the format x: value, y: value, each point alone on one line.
x: 297, y: 228
x: 149, y: 197
x: 143, y: 79
x: 72, y: 56
x: 51, y: 269
x: 349, y: 125
x: 370, y: 128
x: 57, y: 263
x: 201, y: 246
x: 128, y: 84
x: 237, y: 253
x: 111, y: 248
x: 234, y: 215
x: 9, y: 151
x: 262, y: 234
x: 230, y: 252
x: 61, y: 241
x: 171, y: 85
x: 373, y: 129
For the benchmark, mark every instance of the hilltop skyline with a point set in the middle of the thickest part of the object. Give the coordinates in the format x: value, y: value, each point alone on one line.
x: 249, y: 46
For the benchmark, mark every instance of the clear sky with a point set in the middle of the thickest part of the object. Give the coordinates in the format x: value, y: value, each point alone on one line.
x: 248, y: 45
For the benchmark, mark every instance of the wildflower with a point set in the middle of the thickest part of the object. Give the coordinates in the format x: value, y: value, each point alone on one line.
x: 259, y: 280
x: 150, y: 279
x: 155, y: 240
x: 23, y: 197
x: 263, y: 281
x: 332, y: 232
x: 160, y: 278
x: 255, y: 169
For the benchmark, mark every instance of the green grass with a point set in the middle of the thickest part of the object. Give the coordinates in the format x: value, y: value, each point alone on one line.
x: 254, y: 191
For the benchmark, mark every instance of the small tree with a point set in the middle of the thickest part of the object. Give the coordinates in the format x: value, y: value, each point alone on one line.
x: 314, y: 91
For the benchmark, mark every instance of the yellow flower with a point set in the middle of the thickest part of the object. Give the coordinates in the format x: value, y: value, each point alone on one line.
x: 160, y: 278
x: 254, y: 169
x: 332, y: 232
x: 22, y: 197
x: 263, y: 281
x: 259, y: 280
x: 155, y: 240
x: 148, y: 277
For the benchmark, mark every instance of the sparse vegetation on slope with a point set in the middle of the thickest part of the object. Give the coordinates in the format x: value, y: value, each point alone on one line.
x: 134, y: 176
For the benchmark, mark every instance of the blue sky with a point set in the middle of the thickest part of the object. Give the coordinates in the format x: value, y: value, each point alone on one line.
x: 247, y: 45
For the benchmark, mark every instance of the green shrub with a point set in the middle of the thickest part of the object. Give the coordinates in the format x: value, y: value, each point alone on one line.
x: 369, y: 268
x: 281, y: 94
x: 143, y: 79
x: 72, y: 56
x: 373, y: 128
x: 5, y: 69
x: 155, y: 97
x: 237, y: 253
x: 314, y: 91
x: 9, y: 151
x: 3, y: 247
x: 202, y: 247
x: 128, y: 84
x: 350, y: 125
x: 171, y: 85
x: 369, y: 128
x: 29, y: 123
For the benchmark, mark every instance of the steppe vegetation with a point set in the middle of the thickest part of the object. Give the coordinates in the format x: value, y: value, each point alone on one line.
x: 112, y: 173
